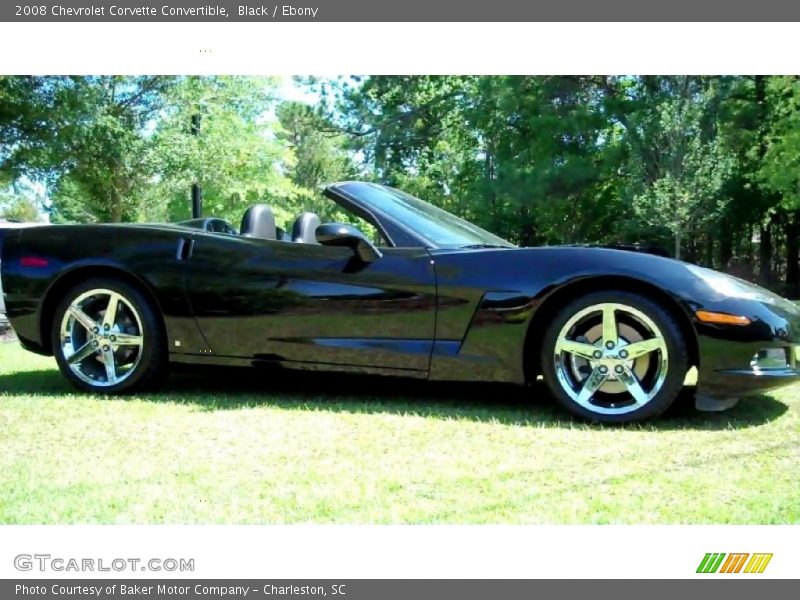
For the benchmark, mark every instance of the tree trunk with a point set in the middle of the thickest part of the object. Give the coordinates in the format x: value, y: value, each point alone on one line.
x: 765, y: 254
x: 725, y: 247
x: 689, y: 248
x: 115, y: 211
x: 709, y: 253
x: 761, y: 102
x: 490, y: 187
x: 678, y: 241
x: 793, y: 255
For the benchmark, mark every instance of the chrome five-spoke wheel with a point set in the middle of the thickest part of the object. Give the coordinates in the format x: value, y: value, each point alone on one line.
x: 107, y: 337
x: 101, y: 337
x: 615, y: 356
x: 611, y: 358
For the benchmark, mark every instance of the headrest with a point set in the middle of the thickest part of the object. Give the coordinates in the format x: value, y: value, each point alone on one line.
x: 259, y: 222
x: 304, y: 229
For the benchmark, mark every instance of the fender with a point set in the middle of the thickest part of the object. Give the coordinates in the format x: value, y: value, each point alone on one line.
x: 30, y: 288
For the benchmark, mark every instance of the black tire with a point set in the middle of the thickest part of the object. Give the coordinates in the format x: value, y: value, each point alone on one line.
x: 678, y: 359
x: 151, y: 366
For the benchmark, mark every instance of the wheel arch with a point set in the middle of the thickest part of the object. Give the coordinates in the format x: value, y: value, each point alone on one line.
x: 73, y: 277
x: 558, y: 298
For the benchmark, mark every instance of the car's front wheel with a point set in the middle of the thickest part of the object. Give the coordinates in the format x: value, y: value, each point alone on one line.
x: 614, y: 357
x: 107, y: 338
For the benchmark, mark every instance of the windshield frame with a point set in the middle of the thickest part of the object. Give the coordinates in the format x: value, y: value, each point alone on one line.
x: 398, y: 233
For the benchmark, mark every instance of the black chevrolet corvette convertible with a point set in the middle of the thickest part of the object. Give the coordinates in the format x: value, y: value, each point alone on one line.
x: 612, y: 332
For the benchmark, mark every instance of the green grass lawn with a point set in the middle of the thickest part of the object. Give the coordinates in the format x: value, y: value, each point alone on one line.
x: 213, y: 449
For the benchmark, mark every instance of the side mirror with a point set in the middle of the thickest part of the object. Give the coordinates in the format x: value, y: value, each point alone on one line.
x: 339, y: 234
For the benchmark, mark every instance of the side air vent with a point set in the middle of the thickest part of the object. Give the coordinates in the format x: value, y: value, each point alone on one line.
x: 185, y: 247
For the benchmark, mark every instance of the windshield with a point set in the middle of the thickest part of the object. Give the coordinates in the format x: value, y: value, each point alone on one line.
x: 438, y: 226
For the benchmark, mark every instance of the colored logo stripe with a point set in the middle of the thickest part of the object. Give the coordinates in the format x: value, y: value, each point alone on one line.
x: 733, y: 564
x: 710, y: 562
x: 758, y: 563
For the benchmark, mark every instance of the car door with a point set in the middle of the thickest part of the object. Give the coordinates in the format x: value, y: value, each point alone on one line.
x: 307, y: 303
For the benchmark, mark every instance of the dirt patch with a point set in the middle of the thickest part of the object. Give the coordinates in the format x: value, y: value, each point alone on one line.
x: 6, y: 333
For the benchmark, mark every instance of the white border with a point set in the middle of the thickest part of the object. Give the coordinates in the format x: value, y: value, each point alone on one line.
x: 399, y: 48
x: 430, y: 552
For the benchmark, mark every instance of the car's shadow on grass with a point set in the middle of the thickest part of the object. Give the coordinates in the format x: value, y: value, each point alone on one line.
x: 213, y: 389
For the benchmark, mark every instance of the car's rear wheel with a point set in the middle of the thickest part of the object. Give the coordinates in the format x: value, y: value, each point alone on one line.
x: 106, y: 337
x: 614, y: 357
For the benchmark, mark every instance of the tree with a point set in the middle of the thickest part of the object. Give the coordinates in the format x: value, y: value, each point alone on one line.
x: 319, y: 155
x: 707, y: 164
x: 550, y: 155
x: 678, y: 166
x: 99, y: 149
x: 236, y: 158
x: 779, y: 172
x: 518, y: 155
x: 31, y: 113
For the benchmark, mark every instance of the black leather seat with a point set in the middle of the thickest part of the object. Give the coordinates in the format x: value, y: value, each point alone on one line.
x: 304, y: 230
x: 259, y: 222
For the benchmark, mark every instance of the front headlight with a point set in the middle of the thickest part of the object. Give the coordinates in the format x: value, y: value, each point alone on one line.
x: 733, y: 287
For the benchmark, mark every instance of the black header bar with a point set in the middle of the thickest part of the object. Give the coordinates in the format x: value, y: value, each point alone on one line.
x: 401, y: 11
x: 371, y: 589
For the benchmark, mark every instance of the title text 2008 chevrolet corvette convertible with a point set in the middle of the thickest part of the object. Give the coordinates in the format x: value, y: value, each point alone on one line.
x: 612, y: 332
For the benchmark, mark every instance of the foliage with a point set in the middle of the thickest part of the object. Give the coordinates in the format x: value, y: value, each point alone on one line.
x: 14, y: 207
x: 31, y: 109
x: 318, y: 156
x: 234, y: 158
x: 705, y: 165
x: 120, y: 148
x: 319, y: 153
x: 681, y: 168
x: 101, y: 157
x: 780, y: 170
